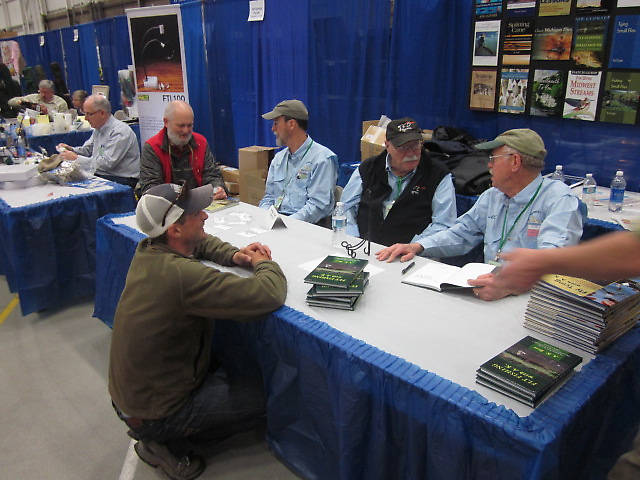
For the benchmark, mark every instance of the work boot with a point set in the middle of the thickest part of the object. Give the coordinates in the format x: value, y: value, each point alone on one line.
x: 158, y: 455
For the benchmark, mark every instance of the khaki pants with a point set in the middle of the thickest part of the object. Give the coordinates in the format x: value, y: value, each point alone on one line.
x: 628, y: 465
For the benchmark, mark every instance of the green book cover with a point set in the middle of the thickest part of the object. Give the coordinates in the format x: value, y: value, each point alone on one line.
x: 356, y: 287
x: 620, y: 99
x: 336, y: 271
x: 350, y: 305
x: 531, y: 365
x: 589, y: 41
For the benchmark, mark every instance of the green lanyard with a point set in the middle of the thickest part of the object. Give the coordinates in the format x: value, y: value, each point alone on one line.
x: 301, y: 158
x: 399, y: 182
x: 504, y: 238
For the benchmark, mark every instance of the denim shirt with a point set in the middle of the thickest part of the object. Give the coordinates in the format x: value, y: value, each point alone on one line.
x: 552, y: 220
x: 303, y: 182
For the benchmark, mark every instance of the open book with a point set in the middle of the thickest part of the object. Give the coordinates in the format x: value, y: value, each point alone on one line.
x: 440, y: 276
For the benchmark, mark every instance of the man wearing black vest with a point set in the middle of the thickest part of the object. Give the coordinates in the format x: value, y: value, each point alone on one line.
x: 401, y: 193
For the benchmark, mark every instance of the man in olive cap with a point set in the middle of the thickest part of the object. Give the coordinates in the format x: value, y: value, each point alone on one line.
x: 521, y: 210
x: 302, y: 176
x: 400, y: 193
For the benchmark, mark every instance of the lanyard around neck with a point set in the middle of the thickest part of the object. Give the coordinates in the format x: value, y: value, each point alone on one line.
x: 504, y: 238
x: 287, y: 171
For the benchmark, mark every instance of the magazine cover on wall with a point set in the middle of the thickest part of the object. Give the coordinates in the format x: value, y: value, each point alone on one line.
x: 621, y: 98
x: 483, y: 89
x: 159, y: 64
x: 488, y: 8
x: 549, y: 8
x: 581, y: 97
x: 485, y: 45
x: 592, y: 6
x: 589, y: 41
x: 516, y: 48
x: 513, y: 90
x: 520, y: 8
x: 552, y: 42
x: 625, y: 44
x: 547, y: 93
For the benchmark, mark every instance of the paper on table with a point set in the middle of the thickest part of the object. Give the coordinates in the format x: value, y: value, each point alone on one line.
x: 438, y: 275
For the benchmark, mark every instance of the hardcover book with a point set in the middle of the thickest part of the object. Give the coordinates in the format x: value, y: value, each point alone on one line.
x: 591, y: 6
x: 440, y: 276
x: 548, y: 93
x: 620, y: 99
x: 528, y: 369
x: 552, y: 42
x: 340, y: 304
x: 550, y: 8
x: 581, y: 97
x: 336, y: 271
x: 625, y: 43
x: 513, y: 90
x: 516, y: 49
x: 520, y: 8
x: 483, y: 89
x: 589, y: 41
x: 356, y: 288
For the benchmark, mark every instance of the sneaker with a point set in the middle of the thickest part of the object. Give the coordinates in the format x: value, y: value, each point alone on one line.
x: 158, y: 455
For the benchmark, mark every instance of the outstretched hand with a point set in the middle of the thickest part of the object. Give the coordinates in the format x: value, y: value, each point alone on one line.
x: 252, y: 254
x: 406, y: 251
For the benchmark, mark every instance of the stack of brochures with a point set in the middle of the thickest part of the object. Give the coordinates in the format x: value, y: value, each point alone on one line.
x: 528, y: 370
x: 338, y: 282
x: 581, y: 313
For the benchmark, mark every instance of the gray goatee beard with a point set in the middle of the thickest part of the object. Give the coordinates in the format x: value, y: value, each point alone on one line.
x: 176, y: 140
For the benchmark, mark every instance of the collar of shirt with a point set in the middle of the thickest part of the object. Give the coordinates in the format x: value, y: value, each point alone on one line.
x: 524, y: 195
x: 300, y: 153
x: 107, y: 124
x: 392, y: 176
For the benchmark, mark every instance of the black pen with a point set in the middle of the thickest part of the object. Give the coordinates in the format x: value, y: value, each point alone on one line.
x: 407, y: 268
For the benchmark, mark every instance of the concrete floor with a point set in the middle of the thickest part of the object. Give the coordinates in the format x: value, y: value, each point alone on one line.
x: 56, y: 417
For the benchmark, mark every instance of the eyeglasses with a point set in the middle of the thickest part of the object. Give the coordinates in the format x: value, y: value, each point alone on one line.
x: 493, y: 157
x: 182, y: 194
x: 88, y: 114
x: 410, y: 147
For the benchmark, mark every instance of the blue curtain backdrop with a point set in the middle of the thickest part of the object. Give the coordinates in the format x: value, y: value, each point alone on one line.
x: 115, y: 53
x: 429, y: 79
x: 81, y: 58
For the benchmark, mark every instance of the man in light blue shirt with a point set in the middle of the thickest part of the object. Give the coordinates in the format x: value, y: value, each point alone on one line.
x: 112, y: 151
x: 406, y: 192
x: 521, y: 210
x: 302, y: 176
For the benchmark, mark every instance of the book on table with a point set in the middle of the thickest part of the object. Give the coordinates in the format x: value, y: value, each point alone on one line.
x: 581, y: 313
x: 527, y: 370
x: 336, y: 271
x: 355, y: 288
x: 440, y: 276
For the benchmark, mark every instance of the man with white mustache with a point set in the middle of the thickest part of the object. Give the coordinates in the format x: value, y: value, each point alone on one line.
x: 177, y: 153
x: 521, y: 210
x: 400, y: 193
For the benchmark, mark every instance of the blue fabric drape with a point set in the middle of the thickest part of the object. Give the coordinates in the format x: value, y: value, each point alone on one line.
x: 429, y: 80
x: 197, y: 72
x: 114, y: 54
x: 81, y: 58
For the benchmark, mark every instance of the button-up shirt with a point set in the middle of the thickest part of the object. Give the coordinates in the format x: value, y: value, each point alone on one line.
x: 552, y: 220
x: 302, y: 183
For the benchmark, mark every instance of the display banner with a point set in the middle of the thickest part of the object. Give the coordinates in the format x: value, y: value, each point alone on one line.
x: 157, y: 49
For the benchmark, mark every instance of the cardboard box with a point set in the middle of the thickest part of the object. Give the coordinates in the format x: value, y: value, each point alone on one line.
x: 233, y: 187
x: 252, y: 185
x: 230, y: 174
x: 372, y: 142
x: 255, y: 158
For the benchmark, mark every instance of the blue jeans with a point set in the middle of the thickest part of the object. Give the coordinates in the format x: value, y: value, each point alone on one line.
x: 218, y: 409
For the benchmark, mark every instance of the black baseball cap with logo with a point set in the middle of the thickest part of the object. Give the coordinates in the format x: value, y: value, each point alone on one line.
x: 402, y: 131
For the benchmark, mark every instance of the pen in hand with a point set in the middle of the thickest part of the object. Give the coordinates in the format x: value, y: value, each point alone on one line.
x: 407, y: 268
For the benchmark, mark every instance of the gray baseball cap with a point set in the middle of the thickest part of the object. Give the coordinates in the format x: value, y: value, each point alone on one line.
x: 162, y: 205
x: 523, y: 140
x: 289, y: 108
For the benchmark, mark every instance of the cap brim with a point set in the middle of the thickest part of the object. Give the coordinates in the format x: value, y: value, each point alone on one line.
x: 271, y: 115
x: 199, y: 198
x: 489, y: 145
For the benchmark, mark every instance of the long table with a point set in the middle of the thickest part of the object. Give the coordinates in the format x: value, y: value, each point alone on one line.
x: 47, y: 240
x: 388, y: 391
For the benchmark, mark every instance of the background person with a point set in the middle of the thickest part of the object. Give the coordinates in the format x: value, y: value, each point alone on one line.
x: 45, y: 98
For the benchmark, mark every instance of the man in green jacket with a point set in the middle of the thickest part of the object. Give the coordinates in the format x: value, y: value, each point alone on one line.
x: 161, y: 378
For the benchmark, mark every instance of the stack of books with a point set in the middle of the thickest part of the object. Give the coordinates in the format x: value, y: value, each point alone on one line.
x: 528, y: 370
x: 581, y: 313
x: 338, y: 282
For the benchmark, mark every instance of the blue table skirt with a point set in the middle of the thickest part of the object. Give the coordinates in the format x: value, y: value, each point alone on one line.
x: 47, y: 250
x: 341, y: 409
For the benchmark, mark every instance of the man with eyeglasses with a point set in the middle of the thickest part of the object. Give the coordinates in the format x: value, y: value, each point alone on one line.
x: 45, y: 99
x: 177, y: 153
x: 302, y: 177
x: 522, y: 209
x: 112, y: 151
x: 402, y: 192
x: 164, y: 383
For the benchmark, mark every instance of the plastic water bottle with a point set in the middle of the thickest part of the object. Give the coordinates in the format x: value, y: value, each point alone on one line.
x: 618, y: 185
x: 339, y: 225
x: 22, y: 146
x: 589, y: 188
x: 558, y: 174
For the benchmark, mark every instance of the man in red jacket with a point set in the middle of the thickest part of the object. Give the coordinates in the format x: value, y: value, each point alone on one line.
x: 177, y: 153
